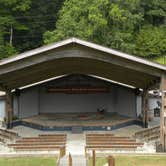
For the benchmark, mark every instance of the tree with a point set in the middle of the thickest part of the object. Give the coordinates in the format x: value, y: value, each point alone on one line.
x: 151, y: 42
x: 40, y: 17
x: 111, y: 23
x: 23, y: 22
x: 114, y: 23
x: 8, y: 8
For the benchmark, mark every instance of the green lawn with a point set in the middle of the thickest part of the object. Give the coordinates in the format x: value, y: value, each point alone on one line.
x: 134, y: 161
x: 28, y: 161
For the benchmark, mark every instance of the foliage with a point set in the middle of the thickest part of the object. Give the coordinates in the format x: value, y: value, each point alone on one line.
x: 8, y: 8
x: 101, y: 21
x: 151, y: 42
x: 114, y: 23
x: 133, y: 26
x: 41, y: 17
x: 28, y: 20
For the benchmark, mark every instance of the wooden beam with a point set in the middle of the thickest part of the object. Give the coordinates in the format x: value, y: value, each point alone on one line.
x: 163, y: 112
x: 9, y: 111
x: 145, y: 108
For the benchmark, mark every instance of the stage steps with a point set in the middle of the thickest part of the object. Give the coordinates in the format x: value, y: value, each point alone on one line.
x: 150, y: 134
x: 77, y: 130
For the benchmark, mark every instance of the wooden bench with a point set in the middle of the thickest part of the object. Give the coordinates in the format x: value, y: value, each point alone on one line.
x: 52, y: 135
x: 104, y: 134
x: 46, y: 139
x: 31, y: 141
x: 6, y: 135
x: 110, y: 142
x: 36, y: 143
x: 41, y: 143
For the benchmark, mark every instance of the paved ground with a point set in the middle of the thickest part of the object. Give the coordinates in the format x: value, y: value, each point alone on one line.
x: 77, y: 160
x: 154, y: 122
x: 75, y: 144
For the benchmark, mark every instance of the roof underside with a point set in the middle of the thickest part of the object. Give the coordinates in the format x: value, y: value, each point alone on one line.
x: 76, y: 56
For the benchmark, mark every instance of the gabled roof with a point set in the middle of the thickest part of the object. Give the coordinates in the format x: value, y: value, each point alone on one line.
x: 84, y: 43
x: 81, y: 57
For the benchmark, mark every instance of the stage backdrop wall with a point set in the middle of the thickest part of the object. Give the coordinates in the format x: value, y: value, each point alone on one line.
x: 36, y: 100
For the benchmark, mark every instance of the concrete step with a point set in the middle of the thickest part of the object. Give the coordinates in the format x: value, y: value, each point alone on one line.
x: 77, y: 130
x: 76, y: 161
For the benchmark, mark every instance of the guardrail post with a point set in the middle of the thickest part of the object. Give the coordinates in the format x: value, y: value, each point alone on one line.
x: 111, y: 161
x: 93, y: 158
x: 70, y: 160
x: 62, y: 151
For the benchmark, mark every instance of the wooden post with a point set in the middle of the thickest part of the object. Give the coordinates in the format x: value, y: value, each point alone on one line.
x: 9, y: 111
x: 93, y: 158
x: 145, y: 108
x: 163, y: 113
x: 62, y: 151
x: 111, y: 161
x: 70, y: 160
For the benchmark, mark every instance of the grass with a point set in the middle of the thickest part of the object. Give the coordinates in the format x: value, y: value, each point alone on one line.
x: 28, y: 161
x: 134, y: 161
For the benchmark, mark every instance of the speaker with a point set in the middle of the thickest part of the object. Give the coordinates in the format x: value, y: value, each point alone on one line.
x: 17, y: 92
x: 137, y: 91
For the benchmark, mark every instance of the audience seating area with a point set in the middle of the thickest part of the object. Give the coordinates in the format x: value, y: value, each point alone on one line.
x: 150, y: 134
x: 49, y: 142
x: 6, y: 135
x: 110, y: 142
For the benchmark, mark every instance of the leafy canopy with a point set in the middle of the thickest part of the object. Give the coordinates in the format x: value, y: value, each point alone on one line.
x: 124, y: 25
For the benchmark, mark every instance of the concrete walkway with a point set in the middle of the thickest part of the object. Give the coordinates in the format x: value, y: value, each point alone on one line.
x: 76, y: 161
x: 75, y: 144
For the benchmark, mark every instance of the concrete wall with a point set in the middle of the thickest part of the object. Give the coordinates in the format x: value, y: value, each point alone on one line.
x: 2, y: 109
x: 153, y: 102
x: 35, y: 100
x: 27, y: 104
x: 126, y: 102
x: 139, y: 105
x: 51, y: 103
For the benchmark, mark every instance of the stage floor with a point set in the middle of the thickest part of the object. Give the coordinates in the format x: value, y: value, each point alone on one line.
x: 77, y: 119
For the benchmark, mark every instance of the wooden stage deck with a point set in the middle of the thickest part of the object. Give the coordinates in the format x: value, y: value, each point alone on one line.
x: 78, y: 119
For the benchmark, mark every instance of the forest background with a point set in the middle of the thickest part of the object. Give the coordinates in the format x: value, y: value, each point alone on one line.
x: 137, y: 27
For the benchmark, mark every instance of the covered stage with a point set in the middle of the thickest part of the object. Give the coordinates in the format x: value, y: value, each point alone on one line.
x: 22, y: 77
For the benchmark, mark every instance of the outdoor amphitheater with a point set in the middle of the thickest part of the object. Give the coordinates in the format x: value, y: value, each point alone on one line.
x: 78, y: 103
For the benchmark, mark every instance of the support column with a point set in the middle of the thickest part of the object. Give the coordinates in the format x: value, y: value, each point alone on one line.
x: 163, y: 113
x: 145, y: 108
x: 9, y: 111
